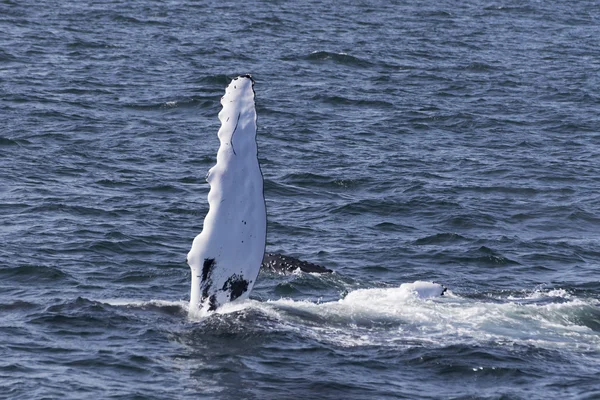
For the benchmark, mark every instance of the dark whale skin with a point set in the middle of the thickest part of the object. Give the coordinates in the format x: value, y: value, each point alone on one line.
x: 286, y: 264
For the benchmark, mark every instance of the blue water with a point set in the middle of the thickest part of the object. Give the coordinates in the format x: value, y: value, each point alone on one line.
x: 443, y: 141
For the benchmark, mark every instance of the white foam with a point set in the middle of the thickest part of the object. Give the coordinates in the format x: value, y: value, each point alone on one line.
x: 400, y: 317
x: 141, y: 303
x: 541, y: 294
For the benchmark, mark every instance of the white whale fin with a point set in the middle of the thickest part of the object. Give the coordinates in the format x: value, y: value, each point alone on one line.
x: 423, y: 289
x: 225, y: 257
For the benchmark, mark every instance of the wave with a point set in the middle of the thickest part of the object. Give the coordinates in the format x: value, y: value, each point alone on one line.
x: 441, y: 239
x: 8, y: 142
x: 28, y: 272
x: 553, y: 319
x: 337, y: 58
x: 165, y: 306
x: 341, y: 100
x: 395, y: 316
x: 194, y: 102
x: 309, y: 179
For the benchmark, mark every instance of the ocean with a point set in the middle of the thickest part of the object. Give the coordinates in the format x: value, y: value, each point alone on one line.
x: 454, y: 142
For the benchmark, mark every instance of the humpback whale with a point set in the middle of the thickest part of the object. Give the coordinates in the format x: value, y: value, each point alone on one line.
x: 227, y: 255
x: 286, y: 264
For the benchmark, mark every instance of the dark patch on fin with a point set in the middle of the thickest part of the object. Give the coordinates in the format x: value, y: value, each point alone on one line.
x: 206, y: 283
x: 207, y: 267
x: 237, y: 285
x: 205, y: 289
x: 444, y: 288
x: 247, y: 76
x: 212, y: 303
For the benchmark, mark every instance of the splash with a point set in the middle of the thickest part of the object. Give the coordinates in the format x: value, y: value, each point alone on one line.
x: 401, y: 317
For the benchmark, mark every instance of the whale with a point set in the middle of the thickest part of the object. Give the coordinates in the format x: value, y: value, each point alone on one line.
x: 282, y: 264
x: 227, y: 255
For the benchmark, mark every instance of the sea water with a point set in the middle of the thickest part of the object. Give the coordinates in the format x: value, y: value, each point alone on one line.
x: 455, y: 142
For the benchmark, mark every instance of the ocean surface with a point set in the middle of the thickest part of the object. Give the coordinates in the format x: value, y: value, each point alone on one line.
x: 455, y: 142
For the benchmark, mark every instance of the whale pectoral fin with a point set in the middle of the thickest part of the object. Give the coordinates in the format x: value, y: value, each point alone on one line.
x: 225, y: 257
x: 425, y: 290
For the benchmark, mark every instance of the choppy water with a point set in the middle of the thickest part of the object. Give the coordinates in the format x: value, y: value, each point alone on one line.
x: 454, y: 142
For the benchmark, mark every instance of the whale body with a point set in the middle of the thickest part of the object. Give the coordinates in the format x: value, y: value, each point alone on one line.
x: 225, y: 257
x: 279, y: 263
